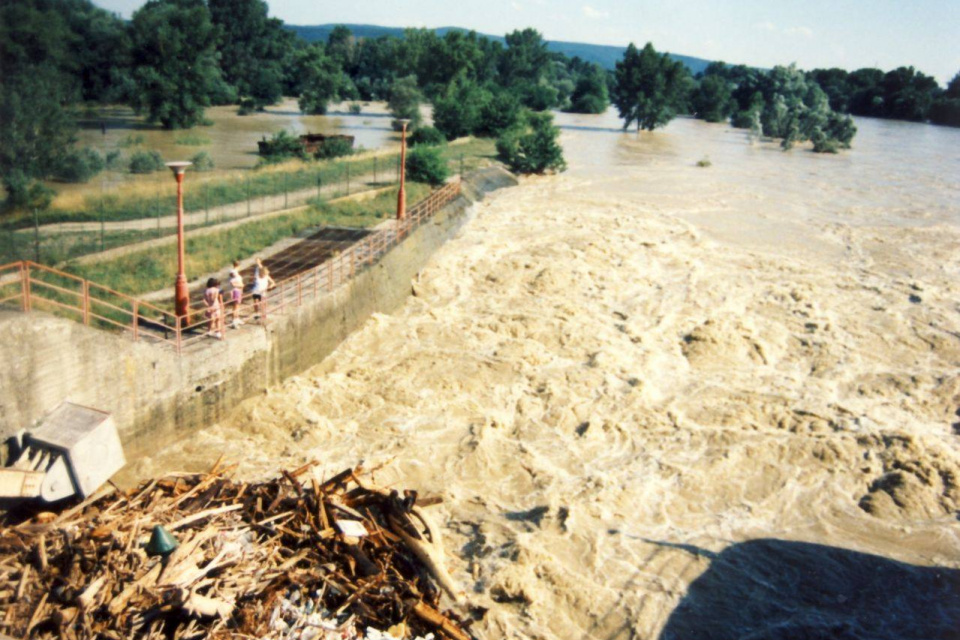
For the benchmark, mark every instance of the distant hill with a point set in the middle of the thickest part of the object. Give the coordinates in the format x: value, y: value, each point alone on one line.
x: 604, y: 55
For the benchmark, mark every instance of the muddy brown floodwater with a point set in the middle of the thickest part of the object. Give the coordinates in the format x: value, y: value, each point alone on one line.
x: 667, y: 401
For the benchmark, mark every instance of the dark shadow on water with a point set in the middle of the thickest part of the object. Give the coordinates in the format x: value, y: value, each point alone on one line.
x: 781, y: 590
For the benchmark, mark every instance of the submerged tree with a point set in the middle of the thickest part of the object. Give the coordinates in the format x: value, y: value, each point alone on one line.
x: 590, y: 93
x: 713, y: 99
x: 532, y: 146
x: 404, y: 103
x: 322, y: 80
x: 648, y: 87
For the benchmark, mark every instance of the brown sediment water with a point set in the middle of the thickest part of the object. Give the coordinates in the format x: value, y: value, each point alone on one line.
x: 670, y: 401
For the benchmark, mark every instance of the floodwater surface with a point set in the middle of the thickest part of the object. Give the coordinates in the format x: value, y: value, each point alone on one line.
x: 668, y: 401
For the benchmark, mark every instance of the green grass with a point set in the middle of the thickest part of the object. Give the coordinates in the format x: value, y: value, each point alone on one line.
x: 153, y: 269
x: 192, y: 140
x: 131, y: 140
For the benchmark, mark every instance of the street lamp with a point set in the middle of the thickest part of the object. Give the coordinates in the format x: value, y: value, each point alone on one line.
x: 181, y: 295
x: 402, y: 194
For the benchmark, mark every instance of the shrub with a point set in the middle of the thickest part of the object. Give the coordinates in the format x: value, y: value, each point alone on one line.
x: 282, y: 146
x: 145, y: 162
x: 425, y: 164
x: 202, y: 161
x: 426, y: 136
x: 114, y: 159
x: 130, y: 140
x: 26, y: 193
x: 79, y: 165
x: 704, y: 162
x: 533, y: 147
x: 334, y: 148
x: 355, y: 108
x: 247, y: 106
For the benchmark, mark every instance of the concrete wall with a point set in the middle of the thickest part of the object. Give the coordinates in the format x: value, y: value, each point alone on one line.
x: 156, y: 396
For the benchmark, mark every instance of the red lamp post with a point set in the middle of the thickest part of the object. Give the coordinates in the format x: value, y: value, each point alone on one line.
x: 181, y: 295
x: 402, y: 194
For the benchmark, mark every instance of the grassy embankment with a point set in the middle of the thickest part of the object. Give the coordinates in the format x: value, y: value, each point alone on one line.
x: 153, y: 269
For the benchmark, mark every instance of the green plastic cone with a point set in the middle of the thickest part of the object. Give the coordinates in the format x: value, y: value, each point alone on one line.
x: 161, y: 542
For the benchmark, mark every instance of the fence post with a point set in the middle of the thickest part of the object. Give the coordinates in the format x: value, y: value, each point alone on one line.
x: 86, y: 302
x: 36, y: 235
x: 27, y: 305
x: 136, y: 312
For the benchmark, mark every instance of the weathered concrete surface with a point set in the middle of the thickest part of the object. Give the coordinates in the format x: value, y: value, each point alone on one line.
x: 156, y: 396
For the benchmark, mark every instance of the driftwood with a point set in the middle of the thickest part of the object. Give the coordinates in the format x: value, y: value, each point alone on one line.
x: 247, y: 554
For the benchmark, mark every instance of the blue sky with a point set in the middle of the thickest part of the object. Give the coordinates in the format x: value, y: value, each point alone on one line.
x: 813, y: 33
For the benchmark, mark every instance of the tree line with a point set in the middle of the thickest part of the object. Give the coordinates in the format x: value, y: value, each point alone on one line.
x: 175, y: 58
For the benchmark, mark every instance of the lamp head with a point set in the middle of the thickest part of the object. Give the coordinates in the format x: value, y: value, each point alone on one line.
x: 178, y: 167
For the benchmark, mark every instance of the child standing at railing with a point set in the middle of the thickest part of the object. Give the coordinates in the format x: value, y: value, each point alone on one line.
x: 261, y: 283
x: 214, y: 302
x: 236, y: 293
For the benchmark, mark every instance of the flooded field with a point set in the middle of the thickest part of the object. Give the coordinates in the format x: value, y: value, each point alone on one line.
x: 669, y: 401
x: 230, y: 140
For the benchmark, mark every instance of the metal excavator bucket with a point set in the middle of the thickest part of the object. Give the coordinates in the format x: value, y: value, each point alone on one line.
x: 72, y: 452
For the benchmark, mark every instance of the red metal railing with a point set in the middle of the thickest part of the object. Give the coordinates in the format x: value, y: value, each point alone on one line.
x: 26, y: 285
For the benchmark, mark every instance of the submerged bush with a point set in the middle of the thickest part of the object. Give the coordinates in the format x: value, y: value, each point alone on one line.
x: 146, y: 162
x: 282, y: 146
x: 425, y: 164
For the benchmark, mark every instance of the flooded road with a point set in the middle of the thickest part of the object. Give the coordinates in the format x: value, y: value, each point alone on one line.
x: 669, y: 401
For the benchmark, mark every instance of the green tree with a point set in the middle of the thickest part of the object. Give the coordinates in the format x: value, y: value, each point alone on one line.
x: 498, y: 114
x: 458, y: 112
x: 323, y: 80
x: 252, y: 48
x: 404, y: 103
x: 713, y: 99
x: 174, y: 61
x: 341, y: 46
x: 648, y: 87
x: 590, y: 93
x: 532, y: 147
x: 36, y: 82
x: 946, y: 108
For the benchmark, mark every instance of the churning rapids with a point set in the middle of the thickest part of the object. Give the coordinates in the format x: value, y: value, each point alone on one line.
x: 668, y: 401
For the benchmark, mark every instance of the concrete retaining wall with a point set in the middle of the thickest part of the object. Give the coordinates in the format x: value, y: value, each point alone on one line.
x: 156, y: 396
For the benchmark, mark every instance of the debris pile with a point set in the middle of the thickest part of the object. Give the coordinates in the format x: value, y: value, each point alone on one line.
x: 200, y: 555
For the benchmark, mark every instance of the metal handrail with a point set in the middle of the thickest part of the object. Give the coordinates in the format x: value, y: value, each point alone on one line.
x: 291, y: 291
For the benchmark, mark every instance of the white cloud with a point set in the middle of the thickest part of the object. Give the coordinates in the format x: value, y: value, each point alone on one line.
x: 594, y: 14
x: 806, y: 32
